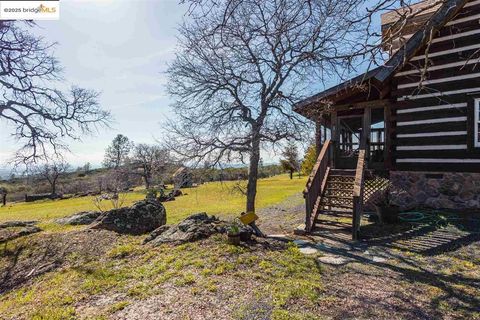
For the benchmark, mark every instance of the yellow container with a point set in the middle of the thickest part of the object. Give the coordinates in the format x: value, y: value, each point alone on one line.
x: 248, y: 218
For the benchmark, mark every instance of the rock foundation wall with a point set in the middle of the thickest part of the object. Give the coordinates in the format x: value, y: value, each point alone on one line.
x: 436, y: 190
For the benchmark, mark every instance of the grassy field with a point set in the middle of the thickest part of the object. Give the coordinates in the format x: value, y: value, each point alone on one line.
x: 82, y: 274
x: 214, y: 198
x: 408, y: 271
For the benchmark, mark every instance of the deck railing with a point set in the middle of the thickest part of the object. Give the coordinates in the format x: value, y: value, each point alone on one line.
x: 316, y: 184
x: 358, y: 192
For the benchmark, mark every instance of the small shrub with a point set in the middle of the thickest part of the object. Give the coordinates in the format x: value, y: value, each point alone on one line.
x: 122, y: 251
x: 118, y: 306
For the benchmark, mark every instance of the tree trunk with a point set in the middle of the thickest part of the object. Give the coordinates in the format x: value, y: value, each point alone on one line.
x: 253, y: 176
x: 54, y: 189
x: 147, y: 181
x: 291, y: 174
x: 4, y: 200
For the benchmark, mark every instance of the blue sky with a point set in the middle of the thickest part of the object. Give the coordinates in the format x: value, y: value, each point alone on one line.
x: 121, y: 48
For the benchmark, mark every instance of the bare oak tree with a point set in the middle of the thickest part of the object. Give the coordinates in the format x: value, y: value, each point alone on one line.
x: 39, y: 115
x: 51, y: 172
x: 242, y: 65
x: 372, y: 47
x: 149, y: 160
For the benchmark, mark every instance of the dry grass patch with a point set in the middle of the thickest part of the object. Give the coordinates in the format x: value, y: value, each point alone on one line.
x: 128, y: 273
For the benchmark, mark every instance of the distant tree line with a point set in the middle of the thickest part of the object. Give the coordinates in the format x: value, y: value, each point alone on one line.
x: 127, y: 165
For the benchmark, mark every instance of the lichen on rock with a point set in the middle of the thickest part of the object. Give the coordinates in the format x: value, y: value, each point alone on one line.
x: 144, y: 216
x: 196, y: 227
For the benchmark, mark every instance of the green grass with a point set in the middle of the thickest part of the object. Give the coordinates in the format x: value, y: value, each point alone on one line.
x: 285, y: 278
x: 131, y: 272
x: 214, y: 198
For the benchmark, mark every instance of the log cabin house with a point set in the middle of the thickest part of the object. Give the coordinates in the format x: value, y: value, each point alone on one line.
x: 415, y: 120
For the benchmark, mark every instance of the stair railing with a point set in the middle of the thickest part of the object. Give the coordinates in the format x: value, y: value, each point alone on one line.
x: 358, y: 192
x: 316, y: 184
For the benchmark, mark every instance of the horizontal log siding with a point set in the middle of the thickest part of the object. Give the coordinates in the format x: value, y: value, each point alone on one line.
x: 430, y: 131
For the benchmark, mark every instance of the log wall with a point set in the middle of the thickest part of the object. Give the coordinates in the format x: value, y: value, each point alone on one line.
x: 432, y: 117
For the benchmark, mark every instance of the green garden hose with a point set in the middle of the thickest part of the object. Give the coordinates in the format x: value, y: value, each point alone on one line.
x: 439, y: 219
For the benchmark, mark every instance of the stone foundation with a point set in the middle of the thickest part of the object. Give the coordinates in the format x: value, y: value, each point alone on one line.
x: 436, y: 190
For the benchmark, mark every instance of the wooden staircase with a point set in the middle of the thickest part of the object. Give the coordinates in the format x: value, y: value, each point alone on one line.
x: 332, y: 191
x: 338, y: 193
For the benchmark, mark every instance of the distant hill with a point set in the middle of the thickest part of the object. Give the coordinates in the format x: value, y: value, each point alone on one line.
x: 4, y: 173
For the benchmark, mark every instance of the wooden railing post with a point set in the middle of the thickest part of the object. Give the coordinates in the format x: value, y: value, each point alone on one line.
x: 308, y: 214
x: 316, y: 184
x: 358, y: 190
x: 356, y: 213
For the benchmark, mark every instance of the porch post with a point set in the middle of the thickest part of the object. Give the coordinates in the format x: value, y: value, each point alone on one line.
x: 325, y: 131
x: 318, y: 136
x: 367, y: 121
x: 334, y: 133
x: 387, y: 155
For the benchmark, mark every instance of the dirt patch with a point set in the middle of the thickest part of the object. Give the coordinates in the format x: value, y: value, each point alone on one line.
x: 25, y: 258
x: 283, y: 218
x: 404, y: 271
x: 180, y: 303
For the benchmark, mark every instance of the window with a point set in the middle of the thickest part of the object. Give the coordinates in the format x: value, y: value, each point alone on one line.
x: 476, y: 123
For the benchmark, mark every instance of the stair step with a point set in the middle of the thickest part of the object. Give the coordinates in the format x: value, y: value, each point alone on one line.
x: 341, y: 176
x: 340, y: 202
x: 343, y: 172
x: 334, y: 213
x: 347, y: 177
x: 338, y: 194
x: 335, y: 201
x: 341, y: 182
x: 338, y: 206
x: 328, y: 196
x: 339, y: 191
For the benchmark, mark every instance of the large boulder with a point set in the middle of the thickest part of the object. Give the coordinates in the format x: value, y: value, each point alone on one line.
x: 196, y: 227
x: 183, y: 178
x: 81, y: 218
x: 144, y: 216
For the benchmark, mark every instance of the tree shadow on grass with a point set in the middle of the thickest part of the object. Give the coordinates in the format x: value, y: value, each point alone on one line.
x: 22, y: 264
x: 421, y: 254
x: 436, y: 236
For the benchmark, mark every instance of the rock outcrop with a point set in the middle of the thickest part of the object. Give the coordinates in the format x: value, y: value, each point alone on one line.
x: 196, y: 227
x: 144, y: 216
x: 183, y: 178
x: 42, y: 196
x: 81, y: 218
x: 15, y: 223
x: 15, y: 229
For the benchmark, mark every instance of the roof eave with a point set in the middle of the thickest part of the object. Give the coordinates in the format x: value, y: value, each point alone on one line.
x: 382, y: 74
